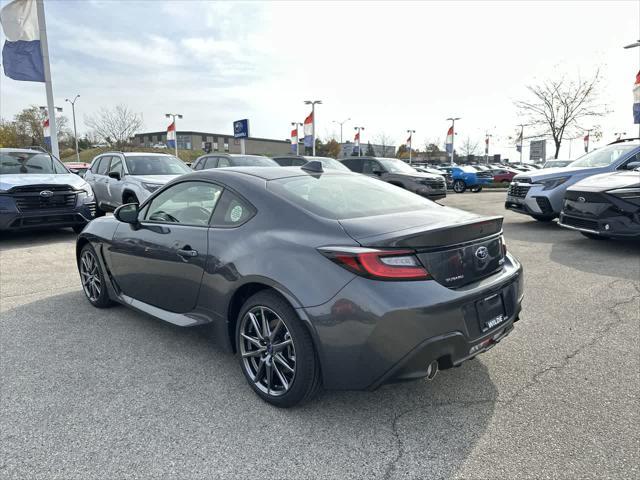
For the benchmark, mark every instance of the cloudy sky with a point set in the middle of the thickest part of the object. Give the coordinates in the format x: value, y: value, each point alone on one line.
x: 389, y: 66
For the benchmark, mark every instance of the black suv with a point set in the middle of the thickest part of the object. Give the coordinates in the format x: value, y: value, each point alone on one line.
x: 220, y: 160
x: 397, y: 172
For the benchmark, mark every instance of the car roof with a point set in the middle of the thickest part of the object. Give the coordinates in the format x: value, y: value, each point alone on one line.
x: 21, y: 150
x: 265, y: 173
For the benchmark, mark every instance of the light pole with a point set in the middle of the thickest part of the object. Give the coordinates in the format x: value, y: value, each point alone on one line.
x: 341, y: 124
x: 410, y: 132
x: 634, y: 45
x: 297, y: 126
x: 75, y: 132
x: 588, y: 137
x: 359, y: 129
x: 313, y: 104
x: 453, y: 133
x: 175, y: 127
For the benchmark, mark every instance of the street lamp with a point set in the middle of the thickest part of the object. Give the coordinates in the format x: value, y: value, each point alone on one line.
x: 487, y: 136
x: 297, y: 125
x: 341, y: 124
x: 313, y: 104
x: 175, y: 128
x: 359, y: 129
x: 619, y: 135
x: 453, y: 133
x: 410, y: 132
x: 75, y: 132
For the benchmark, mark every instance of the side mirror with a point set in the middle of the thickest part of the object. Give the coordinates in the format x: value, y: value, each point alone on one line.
x: 115, y: 175
x: 127, y: 213
x: 378, y: 172
x: 73, y: 170
x: 632, y: 165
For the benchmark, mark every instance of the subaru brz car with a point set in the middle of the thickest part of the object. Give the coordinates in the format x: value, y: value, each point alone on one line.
x: 312, y: 277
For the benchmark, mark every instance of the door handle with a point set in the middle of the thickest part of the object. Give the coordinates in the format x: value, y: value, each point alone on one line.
x: 187, y: 252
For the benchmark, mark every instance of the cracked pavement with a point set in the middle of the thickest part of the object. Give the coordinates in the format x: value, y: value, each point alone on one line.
x: 114, y: 394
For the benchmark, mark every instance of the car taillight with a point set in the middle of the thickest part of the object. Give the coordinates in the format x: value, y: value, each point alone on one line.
x: 378, y: 264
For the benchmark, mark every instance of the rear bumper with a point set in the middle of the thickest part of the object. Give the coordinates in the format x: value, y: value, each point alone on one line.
x: 374, y: 332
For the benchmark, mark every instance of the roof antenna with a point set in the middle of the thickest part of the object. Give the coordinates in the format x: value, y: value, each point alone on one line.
x: 313, y: 166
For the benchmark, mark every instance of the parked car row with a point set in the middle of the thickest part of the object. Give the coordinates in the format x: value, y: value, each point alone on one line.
x: 597, y: 195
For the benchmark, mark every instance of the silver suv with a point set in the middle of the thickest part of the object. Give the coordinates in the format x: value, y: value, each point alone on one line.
x: 118, y: 178
x: 540, y: 194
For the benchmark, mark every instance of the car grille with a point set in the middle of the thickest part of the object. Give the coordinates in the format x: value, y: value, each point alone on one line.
x: 580, y: 223
x: 518, y: 190
x: 29, y: 198
x: 434, y: 183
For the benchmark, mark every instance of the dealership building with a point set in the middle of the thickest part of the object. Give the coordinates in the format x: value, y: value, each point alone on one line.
x: 217, y: 142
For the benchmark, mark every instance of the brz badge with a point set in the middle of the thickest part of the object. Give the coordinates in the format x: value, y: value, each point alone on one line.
x: 46, y: 194
x: 482, y: 253
x: 582, y: 199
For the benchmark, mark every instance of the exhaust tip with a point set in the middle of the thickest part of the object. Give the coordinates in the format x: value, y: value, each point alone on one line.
x: 432, y: 370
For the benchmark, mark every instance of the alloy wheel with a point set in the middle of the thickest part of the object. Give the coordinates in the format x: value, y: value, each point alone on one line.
x: 267, y: 350
x: 91, y: 282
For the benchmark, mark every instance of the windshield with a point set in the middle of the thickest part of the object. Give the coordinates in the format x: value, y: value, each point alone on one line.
x: 603, y: 157
x: 155, y: 165
x: 12, y: 163
x: 253, y: 161
x: 339, y: 196
x: 468, y: 169
x: 396, y: 166
x: 329, y: 163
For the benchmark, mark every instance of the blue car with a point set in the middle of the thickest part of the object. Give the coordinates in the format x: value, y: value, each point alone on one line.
x: 464, y: 177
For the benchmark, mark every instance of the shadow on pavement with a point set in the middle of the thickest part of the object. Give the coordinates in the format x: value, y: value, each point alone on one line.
x: 34, y: 238
x: 111, y: 392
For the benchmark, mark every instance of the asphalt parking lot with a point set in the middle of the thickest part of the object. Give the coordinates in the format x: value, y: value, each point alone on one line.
x: 89, y: 393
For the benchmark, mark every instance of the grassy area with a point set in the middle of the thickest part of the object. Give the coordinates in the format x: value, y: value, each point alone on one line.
x: 69, y: 155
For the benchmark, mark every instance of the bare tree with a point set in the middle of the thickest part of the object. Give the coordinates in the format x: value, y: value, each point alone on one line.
x: 30, y: 127
x: 115, y: 126
x: 559, y: 106
x: 469, y: 147
x: 385, y: 140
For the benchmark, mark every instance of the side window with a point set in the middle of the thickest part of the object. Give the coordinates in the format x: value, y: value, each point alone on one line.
x: 199, y: 164
x: 101, y: 168
x: 354, y: 164
x: 223, y: 162
x: 210, y: 162
x: 298, y: 162
x: 188, y: 203
x: 116, y: 165
x: 633, y: 158
x: 371, y: 166
x: 232, y: 211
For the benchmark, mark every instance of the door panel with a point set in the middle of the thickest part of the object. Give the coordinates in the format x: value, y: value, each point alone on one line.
x: 148, y: 264
x: 161, y: 261
x: 100, y: 183
x: 113, y: 186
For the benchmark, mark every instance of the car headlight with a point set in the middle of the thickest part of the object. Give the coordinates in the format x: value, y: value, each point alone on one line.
x: 631, y: 195
x: 152, y: 187
x: 551, y: 183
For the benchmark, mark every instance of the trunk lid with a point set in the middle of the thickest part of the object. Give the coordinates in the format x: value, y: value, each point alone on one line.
x: 455, y: 247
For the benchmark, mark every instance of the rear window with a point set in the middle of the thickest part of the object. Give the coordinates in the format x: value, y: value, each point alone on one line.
x: 347, y: 196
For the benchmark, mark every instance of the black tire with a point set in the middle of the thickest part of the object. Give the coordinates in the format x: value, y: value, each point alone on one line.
x: 306, y: 380
x: 78, y: 228
x: 101, y: 300
x: 543, y: 218
x: 459, y: 186
x: 593, y: 236
x: 130, y: 198
x: 476, y: 189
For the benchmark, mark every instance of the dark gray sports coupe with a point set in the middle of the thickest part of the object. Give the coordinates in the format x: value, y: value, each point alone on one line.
x: 314, y: 278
